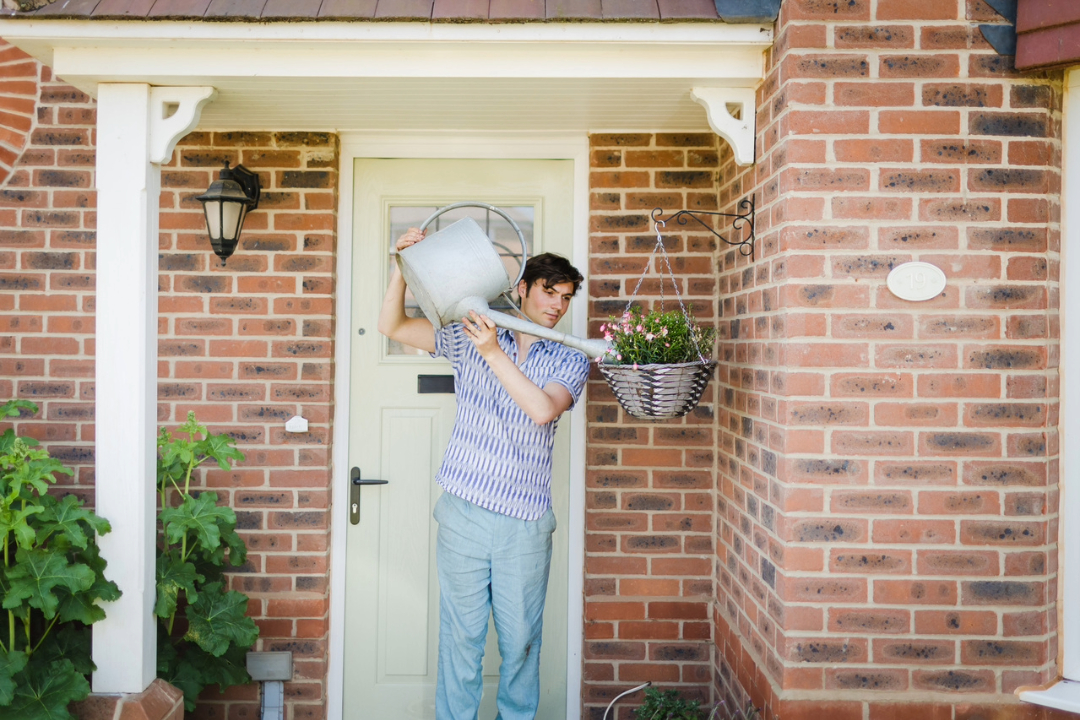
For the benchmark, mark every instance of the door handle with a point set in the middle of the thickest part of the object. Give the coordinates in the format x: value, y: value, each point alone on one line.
x: 354, y: 494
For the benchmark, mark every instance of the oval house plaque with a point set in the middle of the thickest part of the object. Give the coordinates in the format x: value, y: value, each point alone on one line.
x: 916, y: 281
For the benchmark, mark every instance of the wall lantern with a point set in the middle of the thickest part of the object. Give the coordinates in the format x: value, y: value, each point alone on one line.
x: 226, y: 203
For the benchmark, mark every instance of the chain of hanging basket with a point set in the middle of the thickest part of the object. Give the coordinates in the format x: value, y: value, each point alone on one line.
x: 660, y: 391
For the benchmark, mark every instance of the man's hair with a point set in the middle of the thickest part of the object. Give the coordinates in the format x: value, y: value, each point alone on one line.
x: 550, y: 269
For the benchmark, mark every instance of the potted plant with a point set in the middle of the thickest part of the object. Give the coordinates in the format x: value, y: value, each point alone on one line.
x: 659, y: 362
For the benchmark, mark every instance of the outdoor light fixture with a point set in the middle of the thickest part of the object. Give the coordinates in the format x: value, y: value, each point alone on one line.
x: 226, y: 203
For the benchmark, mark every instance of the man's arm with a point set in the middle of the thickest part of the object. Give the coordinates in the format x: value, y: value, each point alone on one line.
x: 393, y: 322
x: 542, y: 405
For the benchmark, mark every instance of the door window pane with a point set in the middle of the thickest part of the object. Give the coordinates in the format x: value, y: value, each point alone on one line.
x: 501, y: 233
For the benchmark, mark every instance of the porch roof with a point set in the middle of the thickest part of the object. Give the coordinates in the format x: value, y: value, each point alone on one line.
x: 418, y: 76
x: 730, y: 11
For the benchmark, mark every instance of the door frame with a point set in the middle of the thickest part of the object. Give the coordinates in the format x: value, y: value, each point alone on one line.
x: 456, y: 146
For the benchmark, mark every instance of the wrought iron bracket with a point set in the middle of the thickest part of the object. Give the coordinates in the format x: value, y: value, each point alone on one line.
x: 742, y: 223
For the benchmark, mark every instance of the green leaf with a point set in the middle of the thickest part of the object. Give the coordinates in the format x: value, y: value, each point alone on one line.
x: 44, y: 691
x: 220, y: 448
x: 11, y: 663
x: 69, y: 641
x: 174, y: 575
x: 217, y: 619
x: 225, y: 670
x: 187, y: 676
x: 200, y: 516
x: 72, y: 523
x: 12, y: 521
x: 13, y: 408
x: 37, y: 573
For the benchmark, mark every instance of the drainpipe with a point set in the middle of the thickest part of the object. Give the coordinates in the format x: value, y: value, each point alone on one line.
x: 271, y: 669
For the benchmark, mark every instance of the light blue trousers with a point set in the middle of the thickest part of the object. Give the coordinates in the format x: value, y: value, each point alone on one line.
x: 490, y: 563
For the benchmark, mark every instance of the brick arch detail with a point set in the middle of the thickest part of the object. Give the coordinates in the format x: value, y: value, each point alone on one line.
x: 20, y: 81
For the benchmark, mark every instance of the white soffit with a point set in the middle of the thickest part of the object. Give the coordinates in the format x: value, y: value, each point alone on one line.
x: 570, y: 77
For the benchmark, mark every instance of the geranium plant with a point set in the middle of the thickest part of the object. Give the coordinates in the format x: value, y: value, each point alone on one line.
x: 657, y: 337
x: 209, y: 643
x: 52, y: 582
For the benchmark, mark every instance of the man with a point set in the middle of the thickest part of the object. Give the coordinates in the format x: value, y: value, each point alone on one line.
x: 495, y: 518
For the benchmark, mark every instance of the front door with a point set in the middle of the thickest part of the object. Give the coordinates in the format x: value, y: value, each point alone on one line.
x: 400, y: 416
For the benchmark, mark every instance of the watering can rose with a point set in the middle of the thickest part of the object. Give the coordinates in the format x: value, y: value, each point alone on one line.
x: 656, y: 338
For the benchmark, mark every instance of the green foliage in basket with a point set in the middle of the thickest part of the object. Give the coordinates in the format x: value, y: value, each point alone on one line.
x: 198, y: 538
x: 669, y: 705
x: 51, y: 582
x: 656, y: 338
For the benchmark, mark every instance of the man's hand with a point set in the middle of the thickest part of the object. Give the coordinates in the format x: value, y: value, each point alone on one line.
x: 411, y: 237
x: 481, y: 330
x: 393, y: 322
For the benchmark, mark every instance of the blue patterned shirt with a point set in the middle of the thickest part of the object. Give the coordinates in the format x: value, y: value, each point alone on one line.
x: 498, y: 458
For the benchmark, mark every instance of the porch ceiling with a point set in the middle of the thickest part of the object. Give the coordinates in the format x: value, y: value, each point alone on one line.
x: 414, y: 76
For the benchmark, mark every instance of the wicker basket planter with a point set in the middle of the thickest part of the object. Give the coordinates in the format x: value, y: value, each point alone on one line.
x: 658, y: 392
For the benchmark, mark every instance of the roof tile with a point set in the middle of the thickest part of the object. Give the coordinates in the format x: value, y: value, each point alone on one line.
x: 404, y: 9
x: 348, y: 9
x: 179, y: 8
x: 516, y: 10
x: 291, y: 9
x: 123, y: 8
x: 573, y: 9
x: 627, y: 9
x: 460, y: 10
x: 235, y: 8
x: 68, y: 8
x: 687, y: 9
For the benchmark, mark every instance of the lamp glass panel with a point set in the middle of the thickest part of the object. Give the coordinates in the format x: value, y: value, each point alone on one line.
x: 213, y: 218
x: 232, y: 215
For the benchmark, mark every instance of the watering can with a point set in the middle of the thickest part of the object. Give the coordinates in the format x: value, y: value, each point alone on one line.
x: 457, y: 269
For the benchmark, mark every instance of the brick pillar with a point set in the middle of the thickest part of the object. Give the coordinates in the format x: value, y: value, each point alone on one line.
x: 888, y: 477
x: 649, y: 501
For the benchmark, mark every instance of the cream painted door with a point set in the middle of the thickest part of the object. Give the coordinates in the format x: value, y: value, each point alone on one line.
x: 398, y: 434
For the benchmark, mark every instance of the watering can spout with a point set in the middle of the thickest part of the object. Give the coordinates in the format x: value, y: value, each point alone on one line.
x: 592, y: 348
x: 456, y: 270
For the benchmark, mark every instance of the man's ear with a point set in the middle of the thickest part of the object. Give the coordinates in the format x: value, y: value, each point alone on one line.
x: 522, y: 289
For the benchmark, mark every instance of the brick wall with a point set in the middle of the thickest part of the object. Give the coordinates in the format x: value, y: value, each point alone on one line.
x: 887, y: 471
x: 650, y: 486
x: 245, y: 347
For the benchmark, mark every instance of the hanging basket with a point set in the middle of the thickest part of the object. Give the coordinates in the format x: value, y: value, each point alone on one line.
x: 658, y: 392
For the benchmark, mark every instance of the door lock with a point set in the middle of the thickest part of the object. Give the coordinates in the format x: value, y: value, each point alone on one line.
x: 354, y: 494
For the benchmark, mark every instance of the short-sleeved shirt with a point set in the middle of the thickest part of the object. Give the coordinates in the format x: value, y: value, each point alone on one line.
x: 498, y: 458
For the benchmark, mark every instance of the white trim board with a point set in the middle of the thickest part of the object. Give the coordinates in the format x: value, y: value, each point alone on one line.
x: 1069, y: 477
x: 1065, y: 693
x: 457, y: 146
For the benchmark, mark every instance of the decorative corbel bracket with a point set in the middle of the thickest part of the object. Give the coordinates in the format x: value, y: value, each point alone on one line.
x: 174, y: 112
x: 738, y: 131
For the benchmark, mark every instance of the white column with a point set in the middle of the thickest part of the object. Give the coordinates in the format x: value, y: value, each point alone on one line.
x: 125, y: 643
x: 137, y: 128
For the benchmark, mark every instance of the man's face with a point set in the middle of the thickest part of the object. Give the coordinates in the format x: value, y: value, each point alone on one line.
x: 545, y: 305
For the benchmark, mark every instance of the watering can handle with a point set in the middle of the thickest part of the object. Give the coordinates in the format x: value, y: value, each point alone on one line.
x: 498, y: 211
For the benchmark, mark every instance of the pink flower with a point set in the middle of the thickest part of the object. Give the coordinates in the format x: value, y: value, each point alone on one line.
x: 649, y: 336
x: 635, y: 366
x: 607, y: 336
x: 603, y: 326
x: 665, y: 332
x: 618, y: 357
x: 639, y: 328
